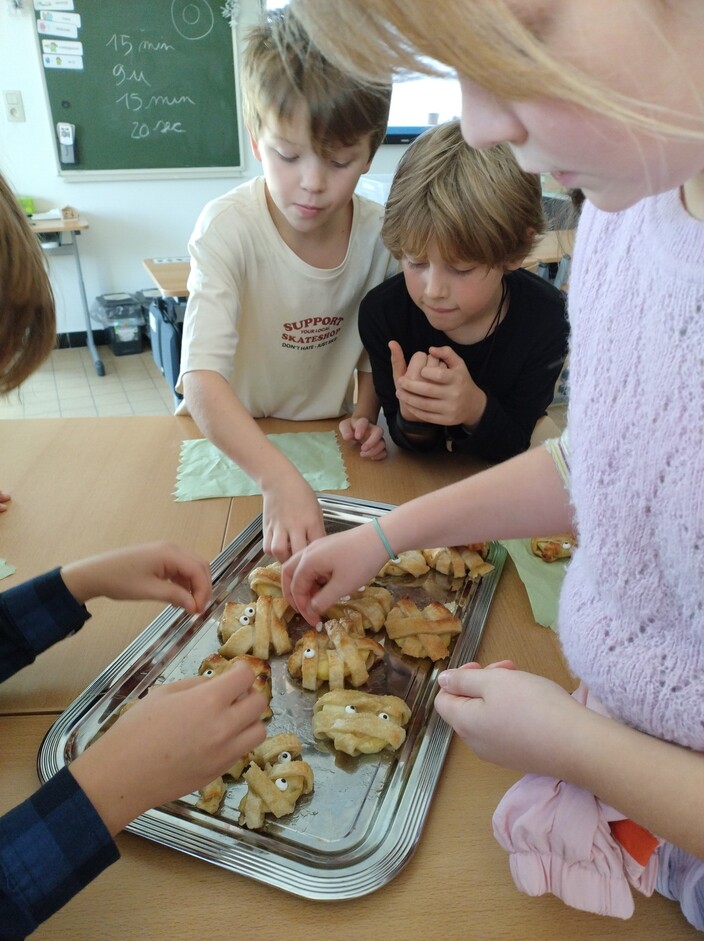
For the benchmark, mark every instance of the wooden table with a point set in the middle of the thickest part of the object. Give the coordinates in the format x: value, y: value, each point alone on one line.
x: 171, y: 274
x: 72, y: 227
x: 81, y: 485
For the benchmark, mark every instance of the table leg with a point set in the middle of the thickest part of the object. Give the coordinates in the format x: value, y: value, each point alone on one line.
x: 99, y: 367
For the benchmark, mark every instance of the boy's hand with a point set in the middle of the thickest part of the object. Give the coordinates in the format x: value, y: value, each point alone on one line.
x: 179, y: 737
x: 320, y: 575
x: 369, y: 436
x: 438, y: 389
x: 409, y: 376
x: 292, y: 517
x: 4, y: 500
x: 159, y: 571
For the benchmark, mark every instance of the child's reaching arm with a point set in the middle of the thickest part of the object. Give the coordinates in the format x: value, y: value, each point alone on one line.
x: 292, y: 514
x: 156, y: 752
x: 518, y: 498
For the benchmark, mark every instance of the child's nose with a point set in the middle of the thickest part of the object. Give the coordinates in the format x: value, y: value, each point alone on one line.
x: 435, y: 282
x: 486, y: 119
x: 313, y: 176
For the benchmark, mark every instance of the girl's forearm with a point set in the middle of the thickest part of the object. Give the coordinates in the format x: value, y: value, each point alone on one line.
x: 520, y: 498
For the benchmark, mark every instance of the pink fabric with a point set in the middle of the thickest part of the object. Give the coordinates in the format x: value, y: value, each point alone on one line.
x: 559, y: 842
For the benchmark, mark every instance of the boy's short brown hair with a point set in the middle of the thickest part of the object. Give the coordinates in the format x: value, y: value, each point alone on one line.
x: 477, y: 205
x: 282, y: 69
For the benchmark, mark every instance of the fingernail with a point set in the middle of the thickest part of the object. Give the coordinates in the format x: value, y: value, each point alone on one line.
x: 443, y: 678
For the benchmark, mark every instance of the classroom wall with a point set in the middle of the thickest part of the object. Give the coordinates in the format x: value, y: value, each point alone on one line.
x: 129, y: 221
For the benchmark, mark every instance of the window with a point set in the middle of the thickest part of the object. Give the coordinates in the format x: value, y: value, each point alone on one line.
x: 416, y: 103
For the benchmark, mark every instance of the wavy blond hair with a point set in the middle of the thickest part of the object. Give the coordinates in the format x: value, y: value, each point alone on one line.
x: 476, y: 205
x: 480, y: 39
x: 27, y: 312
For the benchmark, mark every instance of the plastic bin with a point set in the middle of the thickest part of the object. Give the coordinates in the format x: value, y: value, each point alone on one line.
x: 126, y: 336
x: 121, y: 314
x: 165, y: 333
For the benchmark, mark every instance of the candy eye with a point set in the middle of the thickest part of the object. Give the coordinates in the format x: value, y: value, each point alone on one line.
x: 209, y: 673
x: 244, y: 620
x: 350, y: 709
x: 285, y: 756
x: 309, y: 653
x: 384, y: 715
x: 281, y: 783
x: 250, y: 611
x: 566, y: 545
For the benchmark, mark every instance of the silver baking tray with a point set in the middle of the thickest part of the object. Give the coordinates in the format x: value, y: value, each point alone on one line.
x: 362, y: 823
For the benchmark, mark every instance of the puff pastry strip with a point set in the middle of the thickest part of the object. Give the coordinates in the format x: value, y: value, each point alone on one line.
x: 458, y: 561
x: 266, y: 580
x: 410, y: 562
x: 372, y: 603
x: 425, y: 633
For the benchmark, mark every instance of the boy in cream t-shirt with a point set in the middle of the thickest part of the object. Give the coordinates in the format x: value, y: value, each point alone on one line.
x: 279, y: 266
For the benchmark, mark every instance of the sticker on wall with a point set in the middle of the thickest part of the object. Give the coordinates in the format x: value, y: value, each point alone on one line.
x: 48, y: 28
x: 73, y: 18
x: 62, y: 62
x: 53, y: 4
x: 62, y: 47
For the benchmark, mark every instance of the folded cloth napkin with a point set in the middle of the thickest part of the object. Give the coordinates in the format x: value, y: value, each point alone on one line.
x: 205, y: 472
x: 543, y: 580
x: 6, y: 569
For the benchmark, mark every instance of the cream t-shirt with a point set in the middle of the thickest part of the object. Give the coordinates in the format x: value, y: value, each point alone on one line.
x: 283, y: 333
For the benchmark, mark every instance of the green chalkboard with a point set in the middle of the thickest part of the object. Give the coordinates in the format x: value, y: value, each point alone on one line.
x: 148, y: 84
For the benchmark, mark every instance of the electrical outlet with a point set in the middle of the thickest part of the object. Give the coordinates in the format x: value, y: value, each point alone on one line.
x: 14, y: 107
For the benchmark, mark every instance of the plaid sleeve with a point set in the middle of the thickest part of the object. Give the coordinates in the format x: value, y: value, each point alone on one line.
x: 33, y: 616
x: 51, y: 846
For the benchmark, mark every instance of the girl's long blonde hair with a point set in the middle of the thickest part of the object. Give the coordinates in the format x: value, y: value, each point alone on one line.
x: 27, y: 312
x: 480, y: 39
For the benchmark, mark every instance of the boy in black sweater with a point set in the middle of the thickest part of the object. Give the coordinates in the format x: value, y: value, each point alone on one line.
x: 465, y: 345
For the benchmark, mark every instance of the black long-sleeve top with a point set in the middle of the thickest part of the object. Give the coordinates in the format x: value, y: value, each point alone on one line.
x: 516, y: 366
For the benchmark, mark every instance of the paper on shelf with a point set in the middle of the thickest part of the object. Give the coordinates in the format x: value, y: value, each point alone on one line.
x: 46, y: 216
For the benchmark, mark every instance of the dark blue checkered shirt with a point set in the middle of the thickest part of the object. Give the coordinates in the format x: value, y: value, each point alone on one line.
x: 54, y: 843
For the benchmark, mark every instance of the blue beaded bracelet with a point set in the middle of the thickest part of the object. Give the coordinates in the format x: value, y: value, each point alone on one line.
x: 377, y: 526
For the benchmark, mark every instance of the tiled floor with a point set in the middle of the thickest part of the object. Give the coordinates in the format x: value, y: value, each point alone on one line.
x: 68, y: 386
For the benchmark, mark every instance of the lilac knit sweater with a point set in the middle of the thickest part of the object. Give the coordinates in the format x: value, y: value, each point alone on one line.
x: 632, y: 606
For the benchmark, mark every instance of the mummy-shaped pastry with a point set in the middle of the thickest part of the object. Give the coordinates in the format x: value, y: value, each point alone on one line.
x: 266, y: 580
x: 273, y: 750
x: 215, y: 664
x: 458, y: 561
x: 551, y: 548
x: 425, y: 633
x: 361, y: 723
x: 335, y: 656
x: 273, y: 789
x: 254, y: 628
x: 367, y: 607
x: 410, y: 562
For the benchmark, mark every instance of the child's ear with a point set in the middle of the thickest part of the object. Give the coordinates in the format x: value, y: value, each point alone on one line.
x: 513, y: 265
x: 254, y: 145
